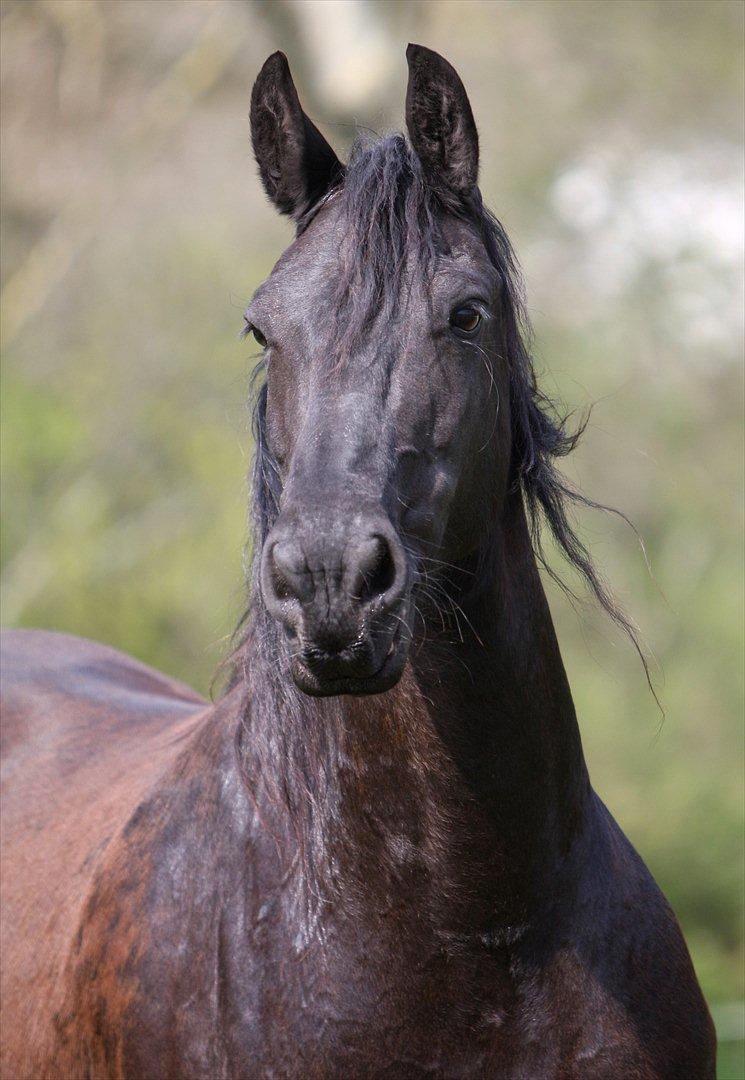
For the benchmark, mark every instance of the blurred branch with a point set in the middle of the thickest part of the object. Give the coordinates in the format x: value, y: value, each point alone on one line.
x: 191, y: 76
x: 83, y: 31
x: 350, y: 53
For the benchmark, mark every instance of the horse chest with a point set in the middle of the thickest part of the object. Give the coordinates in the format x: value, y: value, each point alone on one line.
x: 337, y: 1014
x: 383, y: 1005
x: 252, y: 994
x: 186, y: 965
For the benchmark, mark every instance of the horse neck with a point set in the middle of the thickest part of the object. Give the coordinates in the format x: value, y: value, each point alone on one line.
x: 468, y: 774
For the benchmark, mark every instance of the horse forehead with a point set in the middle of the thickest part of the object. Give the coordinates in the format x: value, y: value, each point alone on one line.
x: 309, y: 264
x: 464, y: 255
x: 310, y: 271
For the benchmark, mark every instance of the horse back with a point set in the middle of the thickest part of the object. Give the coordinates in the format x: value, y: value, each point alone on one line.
x: 85, y: 731
x: 54, y: 683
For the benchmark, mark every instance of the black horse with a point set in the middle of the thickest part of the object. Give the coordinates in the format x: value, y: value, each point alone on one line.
x: 379, y: 855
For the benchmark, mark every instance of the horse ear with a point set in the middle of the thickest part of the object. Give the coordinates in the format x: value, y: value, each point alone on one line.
x: 297, y: 165
x: 440, y: 122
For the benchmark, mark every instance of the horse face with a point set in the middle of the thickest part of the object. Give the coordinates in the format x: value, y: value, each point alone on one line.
x: 380, y: 325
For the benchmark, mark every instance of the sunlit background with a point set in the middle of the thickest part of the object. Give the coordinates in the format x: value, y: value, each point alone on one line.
x: 134, y: 231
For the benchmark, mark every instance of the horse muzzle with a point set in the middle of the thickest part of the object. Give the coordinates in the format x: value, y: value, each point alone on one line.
x: 340, y: 588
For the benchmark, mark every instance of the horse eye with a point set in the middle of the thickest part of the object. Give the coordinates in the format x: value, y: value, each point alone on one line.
x: 466, y: 319
x: 257, y: 334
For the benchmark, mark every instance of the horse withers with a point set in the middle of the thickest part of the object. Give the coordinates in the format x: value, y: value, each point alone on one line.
x: 379, y: 853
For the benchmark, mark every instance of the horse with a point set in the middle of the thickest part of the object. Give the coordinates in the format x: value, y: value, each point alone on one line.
x: 377, y: 853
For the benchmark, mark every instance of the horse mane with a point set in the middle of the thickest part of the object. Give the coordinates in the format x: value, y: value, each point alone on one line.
x: 391, y: 223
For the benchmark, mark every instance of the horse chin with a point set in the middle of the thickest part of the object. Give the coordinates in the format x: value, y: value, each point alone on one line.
x: 385, y: 678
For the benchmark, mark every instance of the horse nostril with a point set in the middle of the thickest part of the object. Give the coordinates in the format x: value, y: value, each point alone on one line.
x: 281, y: 586
x: 286, y: 572
x: 376, y: 569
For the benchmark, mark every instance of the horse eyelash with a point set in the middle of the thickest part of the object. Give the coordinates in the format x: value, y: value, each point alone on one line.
x: 251, y: 328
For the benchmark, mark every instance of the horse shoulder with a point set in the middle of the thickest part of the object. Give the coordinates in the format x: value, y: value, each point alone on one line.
x: 86, y: 730
x: 164, y: 935
x: 641, y: 995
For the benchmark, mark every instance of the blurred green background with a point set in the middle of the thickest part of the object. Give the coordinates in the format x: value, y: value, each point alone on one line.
x: 134, y: 231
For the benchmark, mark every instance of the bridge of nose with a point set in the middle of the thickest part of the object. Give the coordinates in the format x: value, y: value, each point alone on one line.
x: 341, y: 447
x: 333, y: 518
